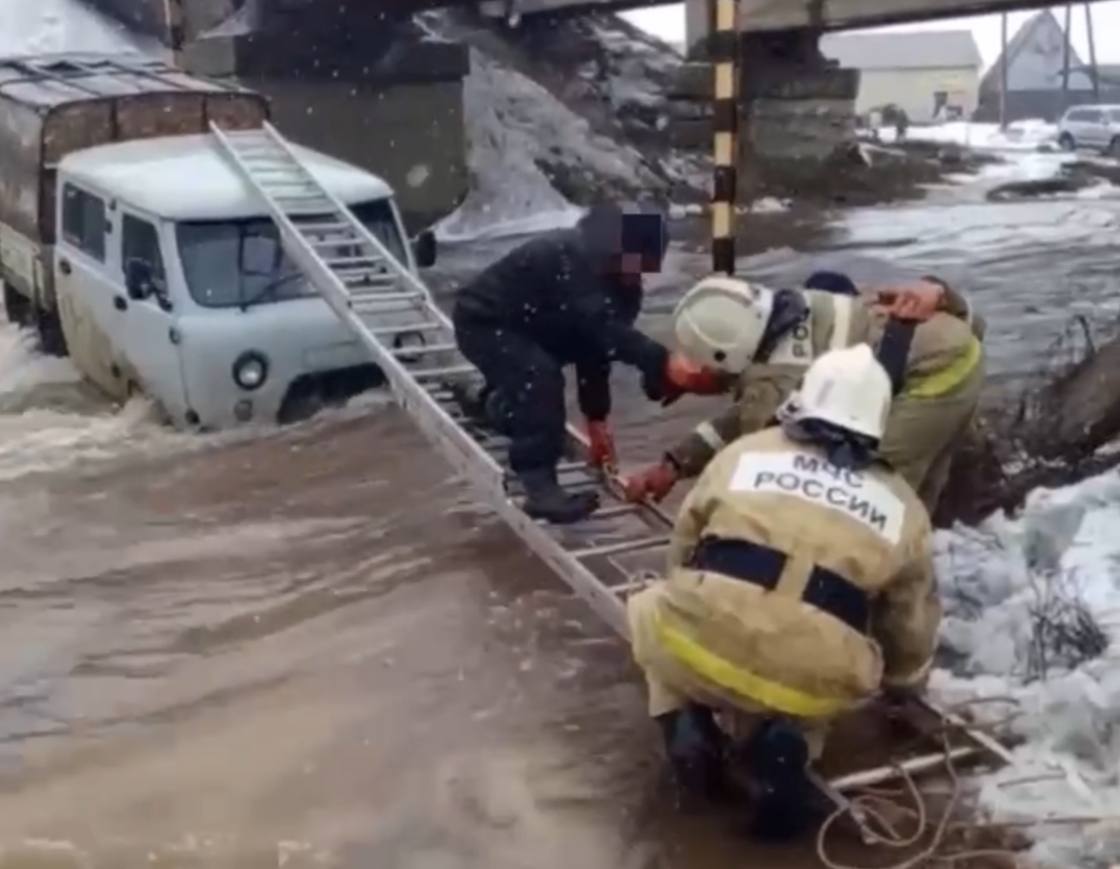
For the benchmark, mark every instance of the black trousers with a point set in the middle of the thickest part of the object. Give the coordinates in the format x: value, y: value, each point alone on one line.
x: 528, y: 387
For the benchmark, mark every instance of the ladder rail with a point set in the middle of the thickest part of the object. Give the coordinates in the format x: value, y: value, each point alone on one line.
x: 465, y: 454
x: 577, y: 437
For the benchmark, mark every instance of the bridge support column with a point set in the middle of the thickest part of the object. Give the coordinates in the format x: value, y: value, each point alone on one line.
x: 372, y: 92
x: 796, y: 108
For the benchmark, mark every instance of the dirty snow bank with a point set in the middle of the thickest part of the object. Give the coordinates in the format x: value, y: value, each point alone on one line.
x: 519, y: 135
x: 560, y: 116
x: 995, y: 580
x: 59, y: 26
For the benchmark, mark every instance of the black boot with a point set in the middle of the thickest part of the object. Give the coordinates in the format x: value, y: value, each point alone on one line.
x: 546, y: 500
x: 779, y: 759
x: 472, y: 398
x: 694, y: 744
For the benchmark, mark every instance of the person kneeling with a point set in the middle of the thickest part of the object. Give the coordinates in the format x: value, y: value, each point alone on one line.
x: 800, y: 583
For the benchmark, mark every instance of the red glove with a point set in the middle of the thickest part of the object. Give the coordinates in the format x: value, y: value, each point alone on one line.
x: 687, y: 376
x: 600, y: 451
x: 917, y: 301
x: 682, y: 375
x: 654, y: 482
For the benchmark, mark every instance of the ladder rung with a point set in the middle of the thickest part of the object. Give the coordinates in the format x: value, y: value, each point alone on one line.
x: 315, y: 197
x: 619, y: 548
x: 262, y: 163
x: 614, y: 511
x: 373, y: 259
x: 321, y: 227
x: 375, y: 299
x: 256, y: 151
x: 337, y: 241
x: 360, y: 273
x: 426, y: 326
x: 631, y: 585
x: 425, y: 373
x: 424, y: 348
x: 371, y: 289
x: 272, y: 184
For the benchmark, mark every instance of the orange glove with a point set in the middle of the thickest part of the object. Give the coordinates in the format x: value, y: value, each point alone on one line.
x: 600, y: 451
x: 917, y: 301
x: 654, y: 482
x: 682, y: 375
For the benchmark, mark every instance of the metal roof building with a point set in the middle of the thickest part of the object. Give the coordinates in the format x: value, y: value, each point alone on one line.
x: 929, y: 74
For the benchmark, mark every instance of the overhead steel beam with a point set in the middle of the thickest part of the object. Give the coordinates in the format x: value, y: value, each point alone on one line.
x: 769, y: 15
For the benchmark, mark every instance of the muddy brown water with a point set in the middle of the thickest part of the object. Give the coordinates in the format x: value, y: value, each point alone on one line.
x: 311, y: 647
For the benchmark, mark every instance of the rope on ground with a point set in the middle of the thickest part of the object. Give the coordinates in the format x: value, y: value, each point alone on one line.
x: 866, y: 808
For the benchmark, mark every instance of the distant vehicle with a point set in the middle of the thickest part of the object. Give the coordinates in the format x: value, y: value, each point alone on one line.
x: 1095, y: 127
x: 132, y: 245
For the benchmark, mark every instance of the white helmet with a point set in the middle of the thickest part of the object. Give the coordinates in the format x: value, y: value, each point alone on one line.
x: 720, y: 322
x: 848, y: 388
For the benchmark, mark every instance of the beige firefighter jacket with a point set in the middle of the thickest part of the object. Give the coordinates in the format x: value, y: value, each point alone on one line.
x: 945, y: 355
x: 709, y: 635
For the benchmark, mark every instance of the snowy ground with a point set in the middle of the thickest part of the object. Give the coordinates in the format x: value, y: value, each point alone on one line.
x: 996, y: 580
x: 1026, y: 135
x: 57, y: 26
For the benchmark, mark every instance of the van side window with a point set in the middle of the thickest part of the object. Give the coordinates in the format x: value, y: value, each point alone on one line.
x: 83, y: 221
x: 140, y: 242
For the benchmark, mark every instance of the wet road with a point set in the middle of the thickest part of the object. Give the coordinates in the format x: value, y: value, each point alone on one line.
x: 309, y: 647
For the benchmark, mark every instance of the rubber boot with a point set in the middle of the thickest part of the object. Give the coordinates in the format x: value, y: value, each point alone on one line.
x: 471, y: 398
x: 779, y: 758
x: 546, y: 500
x: 694, y: 744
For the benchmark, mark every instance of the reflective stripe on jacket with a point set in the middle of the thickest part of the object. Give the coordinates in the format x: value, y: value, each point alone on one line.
x: 775, y: 645
x: 943, y: 354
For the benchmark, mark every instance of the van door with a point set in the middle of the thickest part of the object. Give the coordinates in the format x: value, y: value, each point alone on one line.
x: 149, y: 336
x: 1092, y: 130
x: 84, y: 266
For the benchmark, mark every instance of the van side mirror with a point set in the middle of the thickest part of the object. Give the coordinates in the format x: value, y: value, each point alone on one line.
x: 138, y: 279
x: 424, y: 249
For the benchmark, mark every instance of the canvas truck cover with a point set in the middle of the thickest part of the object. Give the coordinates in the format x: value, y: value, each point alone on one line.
x: 53, y: 105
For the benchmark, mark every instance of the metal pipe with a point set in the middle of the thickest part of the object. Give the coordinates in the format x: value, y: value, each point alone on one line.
x: 890, y: 772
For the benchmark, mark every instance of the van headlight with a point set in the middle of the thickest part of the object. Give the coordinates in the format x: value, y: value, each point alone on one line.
x: 250, y: 371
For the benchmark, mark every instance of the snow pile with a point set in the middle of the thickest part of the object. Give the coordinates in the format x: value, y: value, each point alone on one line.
x: 60, y: 26
x: 997, y: 580
x: 521, y: 140
x: 1027, y: 135
x: 562, y: 113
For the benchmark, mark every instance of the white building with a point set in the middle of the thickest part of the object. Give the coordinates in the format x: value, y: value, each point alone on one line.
x: 930, y: 75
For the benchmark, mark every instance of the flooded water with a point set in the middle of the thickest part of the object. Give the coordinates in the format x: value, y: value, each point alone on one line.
x: 310, y: 647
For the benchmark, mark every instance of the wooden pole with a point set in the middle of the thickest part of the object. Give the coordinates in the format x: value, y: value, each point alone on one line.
x: 1093, y: 71
x: 1065, y: 58
x: 1003, y: 73
x: 173, y: 12
x: 724, y: 52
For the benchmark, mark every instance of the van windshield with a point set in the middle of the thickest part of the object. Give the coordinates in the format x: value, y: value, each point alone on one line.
x: 230, y: 263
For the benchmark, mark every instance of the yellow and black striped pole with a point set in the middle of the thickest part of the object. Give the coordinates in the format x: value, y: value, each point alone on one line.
x: 724, y: 52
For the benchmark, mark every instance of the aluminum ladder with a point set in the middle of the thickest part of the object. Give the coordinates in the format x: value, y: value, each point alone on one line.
x: 381, y: 300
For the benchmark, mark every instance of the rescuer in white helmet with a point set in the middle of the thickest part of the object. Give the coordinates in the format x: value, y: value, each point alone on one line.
x: 929, y: 344
x: 800, y: 582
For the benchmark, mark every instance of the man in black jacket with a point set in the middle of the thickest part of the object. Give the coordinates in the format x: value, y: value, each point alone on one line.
x: 567, y: 297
